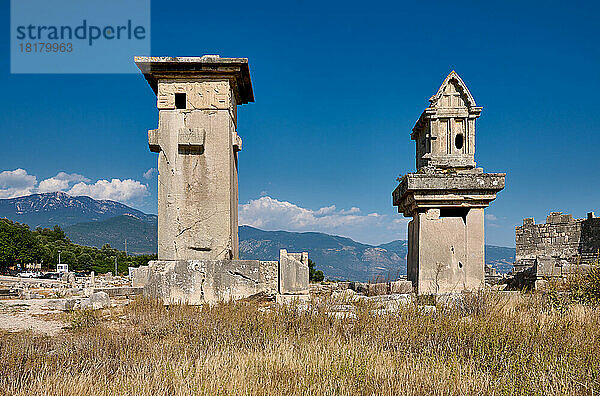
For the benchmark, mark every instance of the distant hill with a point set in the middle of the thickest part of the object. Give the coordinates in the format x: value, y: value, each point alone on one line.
x: 94, y: 223
x: 337, y: 257
x: 499, y: 257
x: 58, y: 208
x: 141, y: 236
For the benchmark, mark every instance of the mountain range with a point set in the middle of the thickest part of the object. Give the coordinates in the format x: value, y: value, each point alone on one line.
x: 58, y: 208
x: 91, y: 222
x: 338, y: 257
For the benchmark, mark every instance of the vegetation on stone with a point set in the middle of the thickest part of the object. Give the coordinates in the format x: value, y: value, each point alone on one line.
x: 576, y: 288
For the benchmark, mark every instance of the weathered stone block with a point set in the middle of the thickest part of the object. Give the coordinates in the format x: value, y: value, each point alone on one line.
x: 65, y: 304
x: 359, y: 287
x: 269, y: 276
x: 191, y: 138
x: 139, y: 276
x: 153, y: 143
x: 401, y: 287
x: 99, y: 300
x: 209, y: 281
x: 446, y: 254
x: 293, y: 272
x: 377, y: 289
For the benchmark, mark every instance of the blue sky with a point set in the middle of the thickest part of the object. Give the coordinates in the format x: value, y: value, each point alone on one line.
x: 338, y: 87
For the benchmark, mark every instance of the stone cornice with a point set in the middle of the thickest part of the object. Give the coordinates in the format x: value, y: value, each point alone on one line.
x: 211, y: 66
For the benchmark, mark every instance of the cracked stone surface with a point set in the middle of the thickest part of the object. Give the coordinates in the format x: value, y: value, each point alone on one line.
x: 207, y: 281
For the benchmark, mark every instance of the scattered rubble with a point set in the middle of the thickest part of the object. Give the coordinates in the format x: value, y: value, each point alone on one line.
x: 98, y: 300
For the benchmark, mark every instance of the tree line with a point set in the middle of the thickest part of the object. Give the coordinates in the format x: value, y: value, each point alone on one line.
x: 19, y: 245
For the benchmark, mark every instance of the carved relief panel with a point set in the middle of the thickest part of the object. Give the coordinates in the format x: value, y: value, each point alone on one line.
x: 199, y: 95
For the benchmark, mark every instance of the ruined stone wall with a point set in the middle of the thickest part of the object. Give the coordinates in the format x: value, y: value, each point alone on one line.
x: 293, y: 272
x: 562, y: 240
x: 269, y: 273
x: 590, y: 239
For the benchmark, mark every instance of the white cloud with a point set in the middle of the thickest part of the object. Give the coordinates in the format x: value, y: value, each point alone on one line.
x: 328, y: 210
x: 16, y: 183
x: 116, y: 190
x: 61, y: 182
x: 350, y: 211
x: 150, y: 173
x: 271, y: 214
x: 490, y: 221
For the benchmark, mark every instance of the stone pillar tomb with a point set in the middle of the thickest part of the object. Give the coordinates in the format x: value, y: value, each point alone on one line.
x: 447, y: 195
x: 197, y: 145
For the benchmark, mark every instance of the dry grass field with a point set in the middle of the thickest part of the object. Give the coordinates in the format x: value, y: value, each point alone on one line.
x: 487, y: 346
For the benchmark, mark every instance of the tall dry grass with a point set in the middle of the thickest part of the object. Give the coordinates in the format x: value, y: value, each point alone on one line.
x: 485, y: 346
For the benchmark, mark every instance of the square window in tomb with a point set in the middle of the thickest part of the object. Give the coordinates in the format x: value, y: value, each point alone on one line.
x: 180, y: 101
x: 455, y: 212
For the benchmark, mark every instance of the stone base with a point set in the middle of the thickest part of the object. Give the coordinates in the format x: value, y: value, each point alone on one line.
x: 284, y: 299
x: 212, y: 281
x: 446, y: 235
x: 446, y: 253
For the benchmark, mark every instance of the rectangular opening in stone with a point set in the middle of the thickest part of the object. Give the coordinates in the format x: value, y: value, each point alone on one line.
x: 180, y: 102
x: 454, y: 212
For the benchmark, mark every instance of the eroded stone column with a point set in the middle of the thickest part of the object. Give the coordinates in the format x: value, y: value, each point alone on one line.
x: 197, y: 142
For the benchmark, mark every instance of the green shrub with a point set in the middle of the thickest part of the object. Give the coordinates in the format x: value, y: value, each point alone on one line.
x: 314, y: 275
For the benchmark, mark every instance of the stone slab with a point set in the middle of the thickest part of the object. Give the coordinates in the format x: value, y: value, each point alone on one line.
x: 437, y: 190
x: 401, y: 287
x: 121, y: 291
x: 293, y: 273
x: 377, y: 289
x: 207, y: 281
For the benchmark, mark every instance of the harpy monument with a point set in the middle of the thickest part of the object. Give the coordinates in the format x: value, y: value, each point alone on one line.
x: 447, y: 195
x: 197, y: 145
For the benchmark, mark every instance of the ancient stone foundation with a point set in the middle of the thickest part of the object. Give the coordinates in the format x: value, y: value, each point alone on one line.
x: 213, y: 281
x: 197, y: 145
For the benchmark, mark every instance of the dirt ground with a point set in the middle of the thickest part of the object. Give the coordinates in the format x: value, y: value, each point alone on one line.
x: 36, y: 315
